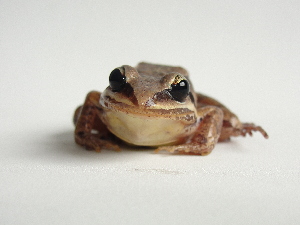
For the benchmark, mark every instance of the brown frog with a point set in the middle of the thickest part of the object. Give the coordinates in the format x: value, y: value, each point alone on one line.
x: 155, y: 105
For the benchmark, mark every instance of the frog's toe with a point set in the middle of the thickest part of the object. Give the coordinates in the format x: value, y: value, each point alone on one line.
x: 186, y: 149
x: 103, y: 144
x: 248, y: 128
x: 170, y: 149
x: 94, y: 142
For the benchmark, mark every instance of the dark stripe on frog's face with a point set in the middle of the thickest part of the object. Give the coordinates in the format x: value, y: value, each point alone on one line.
x: 128, y: 93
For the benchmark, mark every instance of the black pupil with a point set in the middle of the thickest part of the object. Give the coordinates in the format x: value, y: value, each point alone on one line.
x: 117, y: 80
x: 180, y: 90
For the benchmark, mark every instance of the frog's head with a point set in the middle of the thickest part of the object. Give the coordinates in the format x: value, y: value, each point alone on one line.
x: 149, y: 87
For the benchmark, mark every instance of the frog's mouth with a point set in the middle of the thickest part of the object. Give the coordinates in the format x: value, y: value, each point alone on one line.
x: 178, y: 113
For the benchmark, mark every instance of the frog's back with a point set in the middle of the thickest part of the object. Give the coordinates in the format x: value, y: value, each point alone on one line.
x: 159, y: 70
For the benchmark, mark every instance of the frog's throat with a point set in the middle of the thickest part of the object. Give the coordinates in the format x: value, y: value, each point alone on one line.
x: 144, y: 130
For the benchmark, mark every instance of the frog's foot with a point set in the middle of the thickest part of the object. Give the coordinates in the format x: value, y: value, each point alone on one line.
x: 248, y: 128
x: 187, y: 149
x: 204, y: 138
x: 94, y: 142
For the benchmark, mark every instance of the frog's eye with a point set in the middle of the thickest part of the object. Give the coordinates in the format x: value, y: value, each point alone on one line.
x: 117, y: 79
x: 179, y: 90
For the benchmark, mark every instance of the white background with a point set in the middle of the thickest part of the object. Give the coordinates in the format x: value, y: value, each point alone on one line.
x: 244, y: 53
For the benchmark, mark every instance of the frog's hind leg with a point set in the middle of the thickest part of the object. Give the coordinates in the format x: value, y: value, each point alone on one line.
x: 86, y: 120
x: 205, y: 137
x: 242, y: 130
x: 231, y: 123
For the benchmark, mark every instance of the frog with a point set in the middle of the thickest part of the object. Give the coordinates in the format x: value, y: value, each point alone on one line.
x: 153, y: 105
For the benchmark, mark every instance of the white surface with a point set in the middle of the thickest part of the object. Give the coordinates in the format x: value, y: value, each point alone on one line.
x: 244, y: 53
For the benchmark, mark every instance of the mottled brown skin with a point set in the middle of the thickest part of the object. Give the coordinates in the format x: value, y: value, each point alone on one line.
x: 198, y: 143
x: 215, y: 121
x: 227, y: 129
x: 86, y: 119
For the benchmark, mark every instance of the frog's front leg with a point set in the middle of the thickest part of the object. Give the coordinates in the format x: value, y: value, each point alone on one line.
x: 206, y: 135
x: 87, y: 120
